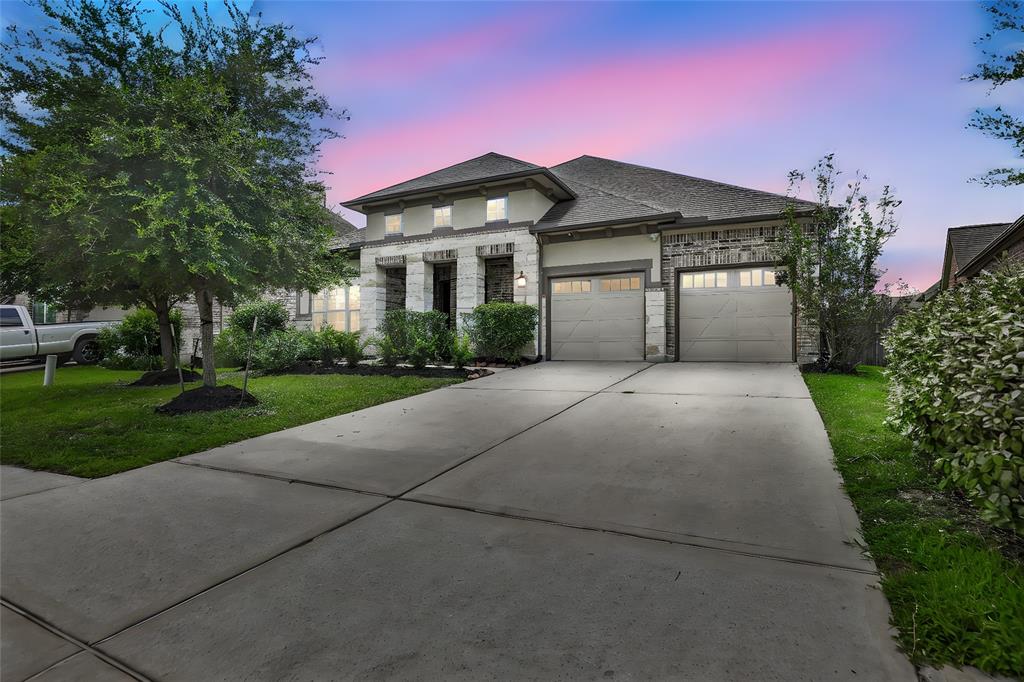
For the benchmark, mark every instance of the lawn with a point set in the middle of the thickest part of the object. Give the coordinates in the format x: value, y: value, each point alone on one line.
x: 956, y: 586
x: 91, y: 423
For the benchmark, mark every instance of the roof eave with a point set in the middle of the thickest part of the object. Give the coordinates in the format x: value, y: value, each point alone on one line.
x: 659, y: 217
x: 976, y: 263
x: 360, y: 202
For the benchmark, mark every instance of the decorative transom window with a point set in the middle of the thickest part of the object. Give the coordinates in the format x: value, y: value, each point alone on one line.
x: 338, y: 308
x: 704, y: 280
x: 497, y: 209
x: 393, y: 223
x: 576, y: 286
x: 620, y: 283
x: 757, y: 278
x: 443, y: 216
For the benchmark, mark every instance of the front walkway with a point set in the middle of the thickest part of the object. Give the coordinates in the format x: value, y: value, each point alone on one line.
x: 570, y: 520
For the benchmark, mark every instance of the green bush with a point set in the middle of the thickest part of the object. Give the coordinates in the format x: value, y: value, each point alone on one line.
x: 956, y: 368
x: 421, y: 353
x: 462, y: 351
x: 403, y: 328
x: 283, y: 349
x: 231, y: 347
x: 500, y: 330
x: 352, y: 347
x: 329, y: 343
x: 134, y: 343
x: 272, y: 315
x: 386, y: 351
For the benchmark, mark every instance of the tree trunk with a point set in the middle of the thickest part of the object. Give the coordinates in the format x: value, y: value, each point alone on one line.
x: 163, y: 318
x: 204, y: 301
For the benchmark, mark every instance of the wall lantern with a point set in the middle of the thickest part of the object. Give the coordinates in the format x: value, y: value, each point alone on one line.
x: 521, y: 280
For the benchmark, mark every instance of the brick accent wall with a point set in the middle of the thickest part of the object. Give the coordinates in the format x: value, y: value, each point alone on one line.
x: 394, y: 297
x: 499, y: 280
x: 726, y: 246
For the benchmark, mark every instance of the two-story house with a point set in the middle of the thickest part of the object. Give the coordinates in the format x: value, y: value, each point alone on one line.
x: 624, y: 262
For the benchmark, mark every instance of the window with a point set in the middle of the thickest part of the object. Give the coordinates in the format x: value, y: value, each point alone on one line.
x: 497, y: 209
x: 443, y: 216
x: 757, y: 278
x: 338, y: 308
x: 393, y: 223
x: 9, y: 317
x: 704, y: 280
x: 579, y: 286
x: 620, y: 283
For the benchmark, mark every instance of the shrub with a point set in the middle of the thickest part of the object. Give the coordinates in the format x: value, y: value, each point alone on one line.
x: 421, y: 352
x: 386, y: 350
x: 134, y: 343
x: 956, y: 368
x: 403, y: 328
x: 231, y: 347
x: 329, y: 344
x: 500, y: 330
x: 283, y: 349
x: 273, y: 316
x: 462, y: 351
x: 352, y: 347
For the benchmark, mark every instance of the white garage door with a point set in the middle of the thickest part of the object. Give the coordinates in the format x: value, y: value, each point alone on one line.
x: 598, y: 318
x: 735, y: 316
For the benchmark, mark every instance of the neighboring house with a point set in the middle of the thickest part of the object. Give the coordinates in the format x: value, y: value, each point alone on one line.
x: 970, y: 249
x: 624, y: 262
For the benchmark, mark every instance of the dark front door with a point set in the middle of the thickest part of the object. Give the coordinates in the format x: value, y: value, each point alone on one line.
x: 443, y: 296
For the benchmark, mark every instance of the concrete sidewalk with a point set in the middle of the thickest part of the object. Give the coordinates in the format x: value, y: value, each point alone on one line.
x: 571, y: 520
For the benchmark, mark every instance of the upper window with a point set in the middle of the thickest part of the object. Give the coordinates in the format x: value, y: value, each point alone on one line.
x: 704, y: 280
x: 757, y: 278
x: 443, y: 216
x: 338, y: 308
x: 393, y: 223
x: 497, y: 209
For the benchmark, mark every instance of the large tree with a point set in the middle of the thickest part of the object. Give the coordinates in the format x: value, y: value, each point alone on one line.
x: 166, y: 164
x: 830, y: 261
x: 1004, y: 64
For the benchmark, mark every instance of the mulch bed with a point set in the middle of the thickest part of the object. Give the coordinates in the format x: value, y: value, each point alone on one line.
x: 207, y: 399
x: 166, y: 377
x: 382, y: 371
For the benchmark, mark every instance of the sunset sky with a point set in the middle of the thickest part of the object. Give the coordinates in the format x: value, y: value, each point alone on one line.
x: 740, y: 93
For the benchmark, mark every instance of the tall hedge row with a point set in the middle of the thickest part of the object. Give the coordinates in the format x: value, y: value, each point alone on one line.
x: 956, y: 368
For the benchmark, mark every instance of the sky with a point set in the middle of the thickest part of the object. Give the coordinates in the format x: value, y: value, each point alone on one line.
x: 736, y: 92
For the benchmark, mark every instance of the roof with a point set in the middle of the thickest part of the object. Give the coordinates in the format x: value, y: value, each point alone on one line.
x: 1005, y: 238
x: 665, y: 192
x: 967, y: 241
x: 592, y: 206
x: 490, y: 165
x: 346, y: 235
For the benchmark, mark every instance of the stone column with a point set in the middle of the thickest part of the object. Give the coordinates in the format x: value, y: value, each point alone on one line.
x: 419, y: 284
x: 469, y: 281
x: 371, y: 291
x: 654, y: 309
x: 526, y: 259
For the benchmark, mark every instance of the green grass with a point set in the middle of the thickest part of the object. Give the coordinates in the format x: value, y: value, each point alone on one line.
x: 90, y: 423
x: 956, y: 585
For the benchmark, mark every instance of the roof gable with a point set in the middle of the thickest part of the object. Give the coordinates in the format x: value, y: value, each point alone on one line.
x: 967, y: 241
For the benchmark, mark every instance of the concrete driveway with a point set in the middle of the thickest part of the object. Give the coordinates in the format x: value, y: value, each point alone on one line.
x: 564, y: 520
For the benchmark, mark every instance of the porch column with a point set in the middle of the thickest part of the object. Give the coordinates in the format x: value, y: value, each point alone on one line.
x: 654, y: 309
x: 372, y: 291
x: 469, y: 281
x: 526, y: 259
x: 419, y: 284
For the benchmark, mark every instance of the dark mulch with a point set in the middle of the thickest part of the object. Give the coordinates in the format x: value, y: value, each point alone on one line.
x: 166, y: 377
x: 381, y: 370
x: 207, y: 399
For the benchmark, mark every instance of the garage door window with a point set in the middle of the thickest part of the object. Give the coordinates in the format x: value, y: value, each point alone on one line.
x: 578, y: 286
x: 705, y: 280
x: 757, y: 278
x: 620, y: 283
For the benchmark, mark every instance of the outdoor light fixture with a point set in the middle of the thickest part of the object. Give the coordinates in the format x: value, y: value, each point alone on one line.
x: 521, y: 280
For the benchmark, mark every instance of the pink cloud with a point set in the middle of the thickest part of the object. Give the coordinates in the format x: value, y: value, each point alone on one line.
x: 619, y: 107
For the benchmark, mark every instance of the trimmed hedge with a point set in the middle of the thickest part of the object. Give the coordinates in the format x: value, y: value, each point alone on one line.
x: 406, y: 333
x: 956, y: 370
x: 501, y: 330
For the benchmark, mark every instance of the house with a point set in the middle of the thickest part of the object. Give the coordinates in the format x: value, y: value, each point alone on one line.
x: 970, y: 249
x: 623, y: 261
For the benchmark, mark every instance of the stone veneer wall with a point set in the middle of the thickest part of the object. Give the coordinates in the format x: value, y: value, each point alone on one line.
x: 499, y: 280
x: 726, y: 246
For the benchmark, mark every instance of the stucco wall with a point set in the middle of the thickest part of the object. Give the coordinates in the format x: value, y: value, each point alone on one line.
x: 611, y: 249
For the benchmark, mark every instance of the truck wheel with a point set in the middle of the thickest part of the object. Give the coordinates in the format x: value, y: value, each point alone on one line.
x: 87, y: 351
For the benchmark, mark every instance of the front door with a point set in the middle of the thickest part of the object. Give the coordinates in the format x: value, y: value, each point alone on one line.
x: 443, y: 299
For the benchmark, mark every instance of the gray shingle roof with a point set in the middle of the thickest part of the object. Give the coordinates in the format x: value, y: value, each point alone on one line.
x: 593, y: 205
x: 967, y: 241
x: 345, y: 233
x: 666, y: 191
x: 490, y: 165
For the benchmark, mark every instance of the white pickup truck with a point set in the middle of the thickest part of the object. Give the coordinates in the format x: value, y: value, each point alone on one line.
x: 20, y: 339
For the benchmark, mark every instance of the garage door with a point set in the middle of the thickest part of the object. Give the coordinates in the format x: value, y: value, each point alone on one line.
x: 735, y: 316
x: 598, y: 318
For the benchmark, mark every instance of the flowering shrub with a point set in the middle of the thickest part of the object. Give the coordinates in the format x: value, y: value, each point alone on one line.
x: 956, y: 370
